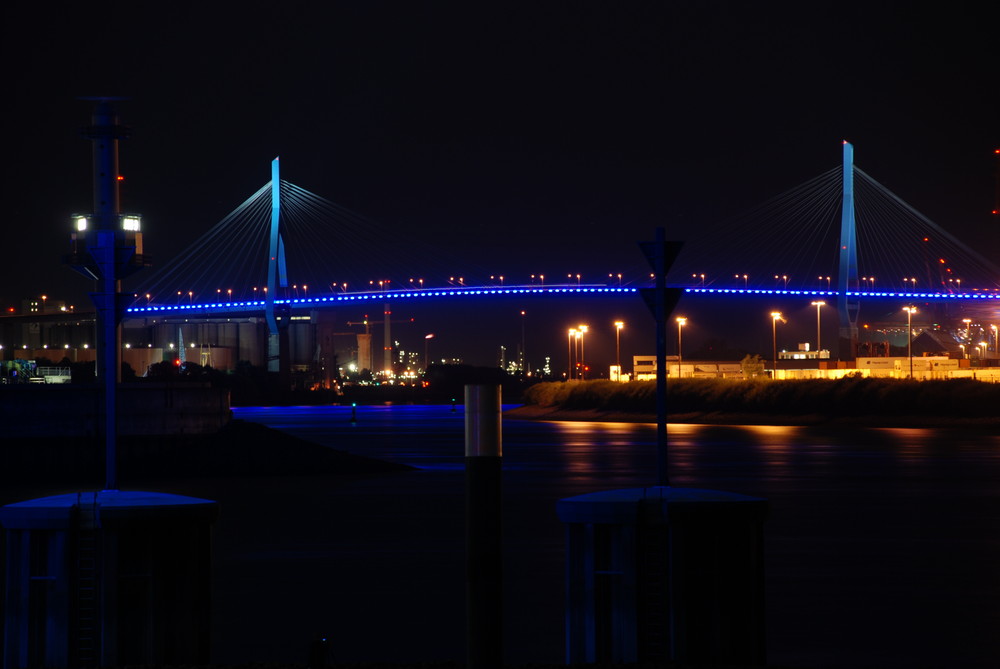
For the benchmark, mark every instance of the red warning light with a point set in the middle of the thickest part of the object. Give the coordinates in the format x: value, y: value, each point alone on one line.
x: 177, y: 362
x: 926, y: 239
x: 941, y: 260
x: 121, y: 178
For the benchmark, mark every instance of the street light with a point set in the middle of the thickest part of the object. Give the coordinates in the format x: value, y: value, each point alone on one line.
x: 618, y: 349
x: 582, y: 330
x: 775, y: 317
x: 681, y: 322
x: 571, y: 336
x: 427, y: 342
x: 818, y: 304
x: 909, y: 335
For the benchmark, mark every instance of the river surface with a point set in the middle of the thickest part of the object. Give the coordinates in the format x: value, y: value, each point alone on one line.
x: 882, y: 547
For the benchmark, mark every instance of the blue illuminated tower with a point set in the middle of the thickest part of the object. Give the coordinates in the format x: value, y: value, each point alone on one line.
x: 277, y: 275
x: 847, y: 278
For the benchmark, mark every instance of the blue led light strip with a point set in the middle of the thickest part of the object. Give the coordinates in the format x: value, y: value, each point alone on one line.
x: 381, y: 296
x: 943, y: 297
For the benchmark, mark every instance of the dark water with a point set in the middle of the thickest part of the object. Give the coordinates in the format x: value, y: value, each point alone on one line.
x: 882, y: 549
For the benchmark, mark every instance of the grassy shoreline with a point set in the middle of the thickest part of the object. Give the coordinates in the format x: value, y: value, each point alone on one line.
x: 849, y: 402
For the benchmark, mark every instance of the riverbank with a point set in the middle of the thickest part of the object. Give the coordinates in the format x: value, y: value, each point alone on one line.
x: 848, y: 402
x: 533, y: 412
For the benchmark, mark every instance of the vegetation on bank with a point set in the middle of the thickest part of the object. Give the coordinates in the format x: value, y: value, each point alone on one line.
x: 840, y: 398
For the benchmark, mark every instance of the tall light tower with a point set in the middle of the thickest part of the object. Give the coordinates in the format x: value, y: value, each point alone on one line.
x: 618, y: 347
x: 775, y: 317
x: 106, y: 246
x: 909, y: 335
x: 681, y: 322
x: 818, y: 304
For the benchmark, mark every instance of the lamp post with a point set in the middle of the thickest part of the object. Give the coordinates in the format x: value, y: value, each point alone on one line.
x: 909, y: 335
x: 681, y: 322
x: 427, y: 342
x: 618, y: 349
x: 775, y: 317
x: 524, y: 358
x: 996, y: 340
x: 818, y: 304
x: 582, y: 330
x: 570, y: 338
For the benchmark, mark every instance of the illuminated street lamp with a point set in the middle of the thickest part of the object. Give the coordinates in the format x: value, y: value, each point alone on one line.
x: 968, y: 325
x: 775, y: 317
x: 909, y: 335
x: 996, y: 340
x: 571, y: 336
x: 681, y: 322
x: 427, y: 341
x: 982, y: 353
x: 818, y: 304
x: 582, y: 330
x: 618, y: 349
x: 962, y: 346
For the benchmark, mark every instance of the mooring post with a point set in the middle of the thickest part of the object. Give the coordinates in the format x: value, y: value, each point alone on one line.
x: 484, y: 562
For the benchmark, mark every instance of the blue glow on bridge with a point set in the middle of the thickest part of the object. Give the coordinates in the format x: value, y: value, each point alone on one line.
x: 533, y: 291
x: 911, y: 295
x: 379, y: 296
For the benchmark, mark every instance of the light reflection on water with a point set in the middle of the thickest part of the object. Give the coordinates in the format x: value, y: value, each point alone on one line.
x: 882, y: 545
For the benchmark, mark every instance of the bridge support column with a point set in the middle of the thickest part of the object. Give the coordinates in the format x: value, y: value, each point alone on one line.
x: 848, y: 305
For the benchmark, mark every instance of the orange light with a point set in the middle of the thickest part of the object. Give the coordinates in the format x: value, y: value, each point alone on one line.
x: 121, y: 178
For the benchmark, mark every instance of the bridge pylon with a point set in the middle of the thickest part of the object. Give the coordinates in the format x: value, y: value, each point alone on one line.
x: 277, y: 277
x: 847, y: 277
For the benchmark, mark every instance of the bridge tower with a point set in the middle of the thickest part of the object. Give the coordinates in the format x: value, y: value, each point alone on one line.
x: 847, y: 278
x: 277, y: 277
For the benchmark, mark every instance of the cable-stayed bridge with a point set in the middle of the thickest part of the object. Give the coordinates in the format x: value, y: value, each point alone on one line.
x: 840, y: 236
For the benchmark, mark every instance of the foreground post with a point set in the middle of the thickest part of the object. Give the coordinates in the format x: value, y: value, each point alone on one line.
x: 484, y: 564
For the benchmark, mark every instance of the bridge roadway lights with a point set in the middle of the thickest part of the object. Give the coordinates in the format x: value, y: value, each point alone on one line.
x: 258, y: 306
x: 835, y: 294
x: 312, y: 302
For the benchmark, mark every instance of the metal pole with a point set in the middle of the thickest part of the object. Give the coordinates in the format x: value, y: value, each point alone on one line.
x: 774, y: 340
x: 680, y: 324
x: 105, y: 133
x: 484, y: 545
x: 909, y: 339
x: 618, y: 350
x: 660, y: 267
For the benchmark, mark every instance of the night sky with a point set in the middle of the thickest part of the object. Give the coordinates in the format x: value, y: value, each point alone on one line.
x: 519, y: 137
